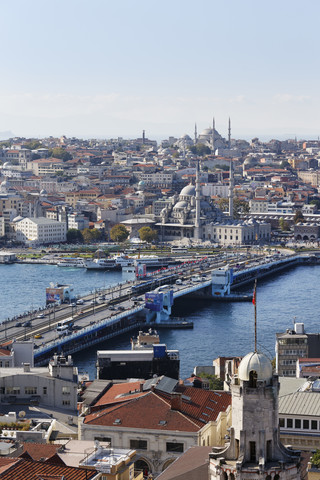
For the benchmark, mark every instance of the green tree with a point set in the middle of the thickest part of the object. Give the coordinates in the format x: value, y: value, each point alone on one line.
x: 146, y: 234
x: 298, y: 216
x: 60, y: 152
x: 33, y: 145
x: 283, y: 224
x: 315, y: 459
x: 74, y: 236
x: 91, y: 235
x: 119, y: 233
x: 315, y: 201
x: 215, y: 383
x: 200, y: 149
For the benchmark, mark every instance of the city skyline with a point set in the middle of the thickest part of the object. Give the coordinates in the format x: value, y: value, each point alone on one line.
x: 110, y: 69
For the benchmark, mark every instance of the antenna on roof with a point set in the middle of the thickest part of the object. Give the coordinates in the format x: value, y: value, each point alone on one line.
x: 254, y: 301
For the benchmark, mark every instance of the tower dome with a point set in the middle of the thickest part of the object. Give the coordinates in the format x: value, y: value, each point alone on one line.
x: 188, y: 190
x: 257, y: 362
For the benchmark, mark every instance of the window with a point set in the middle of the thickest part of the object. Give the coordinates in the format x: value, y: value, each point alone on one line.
x: 314, y: 425
x: 65, y: 390
x: 13, y: 390
x: 281, y: 422
x: 174, y: 447
x: 297, y: 423
x: 306, y: 424
x: 252, y: 446
x: 289, y: 423
x: 44, y: 390
x: 138, y: 444
x: 30, y: 390
x: 65, y: 402
x: 103, y: 439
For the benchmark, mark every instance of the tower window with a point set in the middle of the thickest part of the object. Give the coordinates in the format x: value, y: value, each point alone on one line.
x: 252, y: 446
x: 252, y: 379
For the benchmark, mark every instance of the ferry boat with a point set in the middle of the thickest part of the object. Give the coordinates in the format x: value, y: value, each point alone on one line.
x: 148, y: 260
x: 101, y: 264
x: 71, y: 262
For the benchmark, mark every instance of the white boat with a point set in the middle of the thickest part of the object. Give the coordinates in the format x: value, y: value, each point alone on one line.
x: 148, y: 260
x: 71, y: 262
x: 100, y: 264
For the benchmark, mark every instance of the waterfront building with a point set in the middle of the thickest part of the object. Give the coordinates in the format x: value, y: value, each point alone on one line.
x: 39, y: 230
x: 254, y: 448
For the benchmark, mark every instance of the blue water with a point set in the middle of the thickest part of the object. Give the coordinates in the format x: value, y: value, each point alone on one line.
x: 219, y: 329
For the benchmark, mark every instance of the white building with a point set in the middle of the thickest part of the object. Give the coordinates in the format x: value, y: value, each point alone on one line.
x: 56, y: 387
x: 40, y: 230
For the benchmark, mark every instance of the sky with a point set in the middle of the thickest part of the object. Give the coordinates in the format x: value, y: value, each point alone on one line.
x: 112, y: 68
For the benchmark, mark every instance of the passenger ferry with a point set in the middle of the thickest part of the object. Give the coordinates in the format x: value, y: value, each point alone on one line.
x: 148, y: 260
x: 101, y: 264
x: 71, y: 262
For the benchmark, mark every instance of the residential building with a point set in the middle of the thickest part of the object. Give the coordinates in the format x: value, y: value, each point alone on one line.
x: 56, y: 387
x: 292, y: 345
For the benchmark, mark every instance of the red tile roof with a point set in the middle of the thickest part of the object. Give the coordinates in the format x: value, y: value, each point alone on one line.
x: 153, y: 411
x: 23, y: 469
x: 39, y: 451
x: 121, y: 392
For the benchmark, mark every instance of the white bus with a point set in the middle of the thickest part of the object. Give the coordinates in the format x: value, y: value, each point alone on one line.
x: 179, y: 250
x: 64, y: 325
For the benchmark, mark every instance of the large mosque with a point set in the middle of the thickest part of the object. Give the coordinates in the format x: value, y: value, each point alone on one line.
x: 192, y: 216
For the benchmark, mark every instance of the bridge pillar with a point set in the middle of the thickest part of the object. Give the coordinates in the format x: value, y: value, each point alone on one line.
x: 221, y: 281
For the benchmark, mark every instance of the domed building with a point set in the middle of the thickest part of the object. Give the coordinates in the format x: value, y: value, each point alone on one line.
x: 254, y: 450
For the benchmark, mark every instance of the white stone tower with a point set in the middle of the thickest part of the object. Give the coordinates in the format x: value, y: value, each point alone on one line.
x: 231, y: 186
x: 195, y: 134
x: 254, y: 451
x: 198, y: 199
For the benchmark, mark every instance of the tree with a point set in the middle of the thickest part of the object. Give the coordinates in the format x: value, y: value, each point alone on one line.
x: 315, y: 459
x: 315, y: 201
x: 119, y: 233
x: 60, y: 152
x: 74, y: 236
x: 200, y: 149
x: 146, y: 234
x: 283, y: 224
x: 215, y: 383
x: 33, y: 144
x: 298, y: 217
x: 91, y: 235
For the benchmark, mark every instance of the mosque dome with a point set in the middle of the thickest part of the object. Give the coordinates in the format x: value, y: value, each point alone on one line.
x: 7, y: 164
x: 181, y: 204
x: 189, y: 190
x: 43, y: 192
x: 257, y: 362
x: 206, y: 131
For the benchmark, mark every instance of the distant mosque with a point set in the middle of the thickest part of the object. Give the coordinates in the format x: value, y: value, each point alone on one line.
x: 192, y: 216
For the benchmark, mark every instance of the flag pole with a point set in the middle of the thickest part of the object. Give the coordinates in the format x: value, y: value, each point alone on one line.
x: 254, y: 301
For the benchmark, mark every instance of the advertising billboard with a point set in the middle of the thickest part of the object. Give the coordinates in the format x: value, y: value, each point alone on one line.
x: 154, y: 301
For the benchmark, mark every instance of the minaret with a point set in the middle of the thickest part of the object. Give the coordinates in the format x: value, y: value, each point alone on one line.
x: 213, y: 130
x: 229, y: 134
x: 231, y: 185
x: 143, y: 137
x: 195, y: 134
x: 197, y: 219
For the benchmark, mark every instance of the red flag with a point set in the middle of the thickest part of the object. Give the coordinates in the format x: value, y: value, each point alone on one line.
x: 254, y: 295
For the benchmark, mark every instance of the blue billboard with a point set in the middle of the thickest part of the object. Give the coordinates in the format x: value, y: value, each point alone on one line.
x: 154, y: 301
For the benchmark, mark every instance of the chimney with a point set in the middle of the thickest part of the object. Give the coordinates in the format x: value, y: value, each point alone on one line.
x: 176, y: 401
x: 141, y: 387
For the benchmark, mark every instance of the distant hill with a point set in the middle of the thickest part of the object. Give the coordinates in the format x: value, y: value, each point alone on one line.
x: 6, y: 135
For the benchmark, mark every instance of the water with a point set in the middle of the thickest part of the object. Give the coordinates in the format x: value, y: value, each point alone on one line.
x: 220, y: 329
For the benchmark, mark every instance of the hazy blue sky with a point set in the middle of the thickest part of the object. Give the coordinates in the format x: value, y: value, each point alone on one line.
x: 111, y: 68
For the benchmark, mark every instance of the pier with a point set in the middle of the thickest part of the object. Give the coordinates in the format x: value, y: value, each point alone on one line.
x: 146, y: 302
